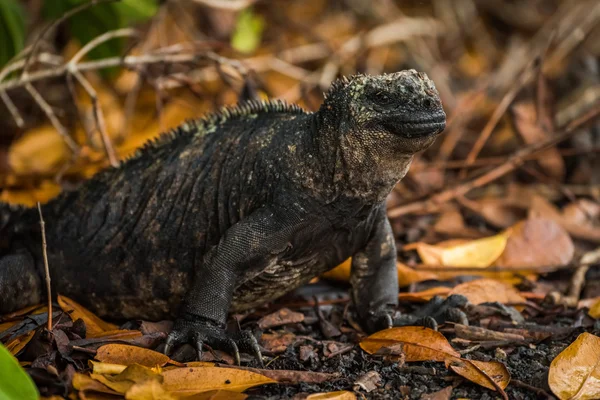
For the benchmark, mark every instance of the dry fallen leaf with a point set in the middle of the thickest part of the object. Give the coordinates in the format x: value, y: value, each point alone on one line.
x: 133, y: 374
x: 148, y: 390
x: 424, y: 295
x: 418, y: 343
x: 406, y: 274
x: 537, y: 242
x: 482, y: 372
x: 188, y: 381
x: 340, y: 395
x: 84, y: 383
x: 19, y: 343
x: 575, y: 372
x: 478, y: 253
x: 128, y: 355
x: 218, y: 395
x: 444, y: 394
x: 280, y: 317
x: 594, y: 311
x: 488, y: 290
x: 93, y: 324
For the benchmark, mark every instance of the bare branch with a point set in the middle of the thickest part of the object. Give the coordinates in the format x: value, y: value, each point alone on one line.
x: 46, y: 266
x: 98, y: 118
x: 52, y: 117
x: 97, y: 41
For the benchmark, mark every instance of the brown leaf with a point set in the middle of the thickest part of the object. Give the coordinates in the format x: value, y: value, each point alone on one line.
x: 537, y: 242
x: 424, y: 295
x: 419, y: 343
x: 129, y: 355
x: 444, y: 394
x: 93, y: 324
x: 187, y: 381
x: 525, y: 120
x: 289, y: 376
x: 19, y: 343
x: 575, y: 372
x: 482, y: 372
x: 277, y: 342
x: 488, y: 290
x: 218, y: 395
x: 281, y: 317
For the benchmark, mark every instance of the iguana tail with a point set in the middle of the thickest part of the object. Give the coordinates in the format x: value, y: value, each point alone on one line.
x: 20, y: 282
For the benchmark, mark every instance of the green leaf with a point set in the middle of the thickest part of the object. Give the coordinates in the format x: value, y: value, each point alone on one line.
x: 248, y: 31
x: 100, y: 19
x: 15, y: 384
x: 12, y: 29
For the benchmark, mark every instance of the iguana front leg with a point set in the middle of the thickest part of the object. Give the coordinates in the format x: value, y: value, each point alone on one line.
x: 374, y: 282
x: 374, y: 277
x: 252, y: 243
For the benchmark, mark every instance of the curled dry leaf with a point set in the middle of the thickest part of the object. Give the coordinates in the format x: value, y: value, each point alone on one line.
x: 188, y: 381
x: 594, y: 311
x: 419, y: 343
x: 425, y: 295
x: 19, y: 343
x: 537, y: 242
x: 575, y: 372
x: 106, y: 368
x: 93, y: 324
x: 84, y: 383
x: 340, y: 395
x: 488, y: 290
x: 129, y: 355
x: 481, y: 372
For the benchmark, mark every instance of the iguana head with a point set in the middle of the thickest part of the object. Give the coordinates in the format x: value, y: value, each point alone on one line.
x: 399, y: 113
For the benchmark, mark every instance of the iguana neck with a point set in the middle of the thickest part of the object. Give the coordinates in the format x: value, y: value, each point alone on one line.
x: 350, y: 168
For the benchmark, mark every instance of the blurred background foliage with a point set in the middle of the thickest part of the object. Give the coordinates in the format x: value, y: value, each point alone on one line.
x: 510, y: 74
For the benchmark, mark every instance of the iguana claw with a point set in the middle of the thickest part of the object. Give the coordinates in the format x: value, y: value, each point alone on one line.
x: 206, y: 332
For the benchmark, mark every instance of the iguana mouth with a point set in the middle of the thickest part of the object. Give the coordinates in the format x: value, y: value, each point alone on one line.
x: 416, y: 128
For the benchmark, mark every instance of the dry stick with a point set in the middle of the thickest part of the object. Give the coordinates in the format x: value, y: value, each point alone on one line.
x: 52, y: 117
x: 431, y: 204
x: 14, y: 111
x: 46, y: 267
x: 53, y: 26
x: 498, y: 113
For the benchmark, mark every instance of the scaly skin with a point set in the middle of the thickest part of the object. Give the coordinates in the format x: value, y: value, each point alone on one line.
x: 228, y: 212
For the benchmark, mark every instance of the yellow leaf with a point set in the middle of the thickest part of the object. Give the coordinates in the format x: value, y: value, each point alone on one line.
x: 595, y: 310
x: 187, y: 381
x: 482, y: 372
x: 84, y: 383
x: 406, y: 274
x: 575, y: 372
x: 40, y: 151
x: 424, y: 295
x: 19, y: 343
x: 148, y: 390
x: 129, y: 355
x: 477, y: 253
x: 130, y: 376
x: 488, y: 290
x: 106, y: 368
x: 93, y: 324
x: 418, y: 343
x: 339, y: 395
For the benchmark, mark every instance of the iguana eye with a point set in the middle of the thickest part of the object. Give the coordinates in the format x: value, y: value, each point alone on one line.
x: 382, y: 98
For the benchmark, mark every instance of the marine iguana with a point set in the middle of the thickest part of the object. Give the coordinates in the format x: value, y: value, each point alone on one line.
x: 233, y: 210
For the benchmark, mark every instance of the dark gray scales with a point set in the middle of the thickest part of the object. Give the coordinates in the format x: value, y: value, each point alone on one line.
x: 234, y: 210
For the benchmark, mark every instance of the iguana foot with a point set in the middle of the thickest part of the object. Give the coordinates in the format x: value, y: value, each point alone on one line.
x: 201, y: 332
x: 437, y: 311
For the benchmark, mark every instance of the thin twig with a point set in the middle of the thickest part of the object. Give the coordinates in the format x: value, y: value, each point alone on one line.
x: 53, y: 26
x: 98, y: 118
x: 52, y: 117
x: 14, y: 111
x: 46, y: 267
